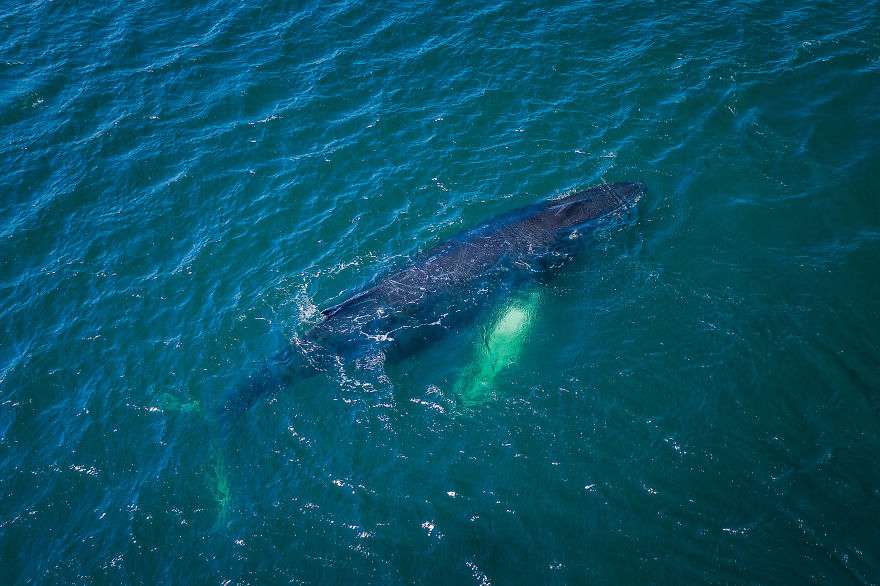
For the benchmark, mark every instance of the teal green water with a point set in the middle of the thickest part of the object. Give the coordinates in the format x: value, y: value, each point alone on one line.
x: 695, y: 398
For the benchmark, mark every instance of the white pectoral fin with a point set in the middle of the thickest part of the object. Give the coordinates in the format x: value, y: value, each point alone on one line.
x: 502, y: 345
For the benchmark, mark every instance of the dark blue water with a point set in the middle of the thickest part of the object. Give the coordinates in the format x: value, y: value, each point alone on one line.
x: 694, y: 398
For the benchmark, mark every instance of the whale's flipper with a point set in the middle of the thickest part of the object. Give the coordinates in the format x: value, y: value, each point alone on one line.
x: 220, y: 486
x: 501, y: 346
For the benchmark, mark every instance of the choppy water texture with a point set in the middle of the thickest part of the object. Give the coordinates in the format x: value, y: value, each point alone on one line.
x: 695, y: 399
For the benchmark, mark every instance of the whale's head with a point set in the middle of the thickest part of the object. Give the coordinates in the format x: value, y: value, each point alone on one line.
x: 589, y: 205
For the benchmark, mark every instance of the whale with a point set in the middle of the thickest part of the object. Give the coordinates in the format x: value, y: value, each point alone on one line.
x: 435, y: 292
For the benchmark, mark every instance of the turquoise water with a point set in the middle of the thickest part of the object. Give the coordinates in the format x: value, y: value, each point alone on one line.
x: 694, y: 400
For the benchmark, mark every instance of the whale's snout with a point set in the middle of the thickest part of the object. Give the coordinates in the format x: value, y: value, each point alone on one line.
x: 629, y: 192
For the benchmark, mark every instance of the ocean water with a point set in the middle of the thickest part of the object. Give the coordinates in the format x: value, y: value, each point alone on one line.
x: 695, y: 398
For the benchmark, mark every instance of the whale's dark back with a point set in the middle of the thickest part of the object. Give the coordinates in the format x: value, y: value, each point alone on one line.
x: 442, y: 287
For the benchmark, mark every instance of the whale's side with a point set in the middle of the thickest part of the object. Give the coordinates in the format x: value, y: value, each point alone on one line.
x: 441, y: 287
